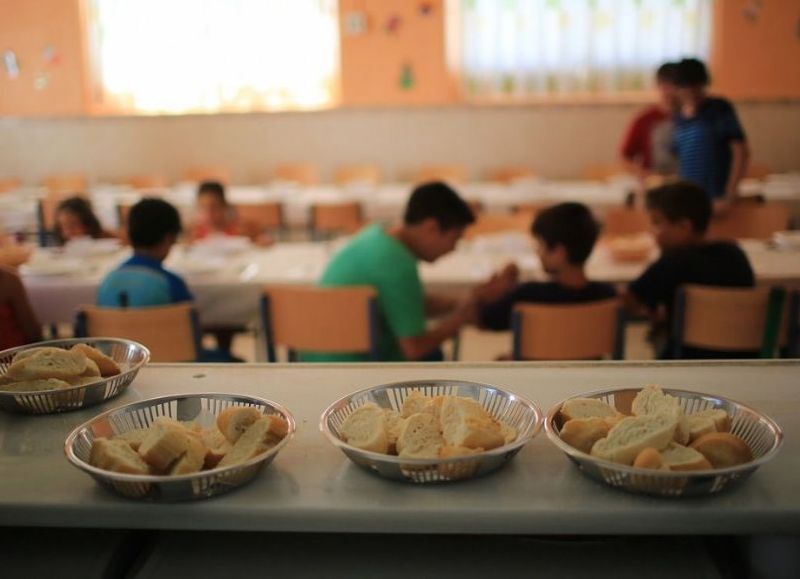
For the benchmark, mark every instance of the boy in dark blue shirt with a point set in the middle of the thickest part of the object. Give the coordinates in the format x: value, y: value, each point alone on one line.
x: 680, y: 213
x: 565, y: 235
x: 708, y: 139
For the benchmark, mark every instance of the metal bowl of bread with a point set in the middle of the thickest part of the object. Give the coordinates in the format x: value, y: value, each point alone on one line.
x: 177, y: 448
x: 663, y: 442
x: 63, y: 375
x: 431, y: 431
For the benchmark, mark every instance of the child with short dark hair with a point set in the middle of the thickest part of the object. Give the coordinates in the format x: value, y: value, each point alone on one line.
x: 708, y: 138
x: 215, y: 214
x: 565, y: 236
x: 680, y: 214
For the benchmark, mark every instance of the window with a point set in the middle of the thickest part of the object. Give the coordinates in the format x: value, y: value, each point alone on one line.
x: 197, y: 56
x: 507, y: 49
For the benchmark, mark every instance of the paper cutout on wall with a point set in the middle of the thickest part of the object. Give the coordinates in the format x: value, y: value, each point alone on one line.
x: 41, y: 81
x: 753, y: 10
x: 355, y: 23
x: 406, y: 77
x: 425, y: 8
x: 11, y: 64
x: 393, y: 24
x: 50, y: 55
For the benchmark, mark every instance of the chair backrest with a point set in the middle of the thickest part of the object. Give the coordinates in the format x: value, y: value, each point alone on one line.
x: 585, y: 331
x: 261, y: 216
x: 331, y: 320
x: 509, y: 174
x: 370, y: 174
x: 67, y: 183
x: 146, y: 182
x: 207, y: 173
x: 447, y: 173
x: 300, y: 173
x: 750, y: 221
x: 491, y: 223
x: 171, y: 333
x: 9, y: 184
x: 603, y: 171
x: 730, y: 319
x: 336, y: 218
x: 623, y: 221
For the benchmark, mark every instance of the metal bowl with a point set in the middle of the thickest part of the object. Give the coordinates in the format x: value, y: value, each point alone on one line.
x: 518, y: 412
x: 760, y: 432
x: 200, y: 408
x: 129, y: 355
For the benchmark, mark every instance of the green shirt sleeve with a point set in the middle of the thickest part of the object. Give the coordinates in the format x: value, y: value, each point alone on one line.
x: 401, y: 298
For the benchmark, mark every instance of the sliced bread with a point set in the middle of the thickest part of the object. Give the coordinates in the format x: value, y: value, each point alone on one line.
x: 722, y: 421
x: 652, y: 400
x: 165, y: 443
x: 723, y: 449
x: 233, y: 421
x: 683, y: 458
x: 420, y: 437
x: 106, y: 365
x: 116, y: 456
x: 257, y: 439
x: 650, y: 458
x: 586, y: 408
x: 464, y: 422
x: 49, y: 363
x: 582, y: 433
x: 365, y: 428
x: 633, y: 434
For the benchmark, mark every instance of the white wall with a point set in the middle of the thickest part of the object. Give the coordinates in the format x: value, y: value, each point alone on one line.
x: 555, y: 140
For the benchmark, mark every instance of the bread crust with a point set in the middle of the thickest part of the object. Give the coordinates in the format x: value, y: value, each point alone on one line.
x: 723, y: 449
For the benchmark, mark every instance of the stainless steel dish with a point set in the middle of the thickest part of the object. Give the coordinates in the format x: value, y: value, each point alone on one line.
x: 199, y: 408
x: 129, y: 355
x: 760, y: 432
x: 518, y: 412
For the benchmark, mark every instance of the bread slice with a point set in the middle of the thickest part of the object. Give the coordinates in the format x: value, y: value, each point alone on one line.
x: 33, y: 351
x: 683, y: 458
x: 414, y: 403
x: 582, y: 433
x: 394, y: 425
x: 33, y: 385
x: 50, y: 363
x: 116, y: 456
x: 586, y: 408
x: 420, y: 437
x: 652, y: 400
x: 457, y: 451
x: 165, y: 443
x: 722, y: 421
x: 464, y: 422
x: 699, y: 425
x: 233, y: 421
x: 650, y: 459
x: 134, y: 438
x: 259, y: 437
x: 106, y: 365
x: 217, y: 446
x: 365, y: 428
x: 633, y: 434
x: 723, y: 449
x: 509, y: 432
x: 192, y: 460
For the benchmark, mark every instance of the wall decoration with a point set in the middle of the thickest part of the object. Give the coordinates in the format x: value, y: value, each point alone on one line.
x: 406, y: 77
x: 752, y: 11
x: 50, y: 55
x: 425, y: 8
x: 11, y: 64
x: 355, y: 23
x: 41, y: 81
x: 393, y: 24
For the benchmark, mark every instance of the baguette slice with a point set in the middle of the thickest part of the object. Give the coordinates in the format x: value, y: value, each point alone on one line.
x: 699, y: 425
x: 166, y: 442
x: 582, y: 433
x: 722, y: 421
x: 259, y: 437
x: 366, y: 429
x: 457, y: 451
x: 217, y: 446
x: 652, y: 400
x: 394, y: 425
x: 116, y: 456
x: 233, y: 421
x: 683, y: 458
x: 723, y: 449
x: 509, y: 432
x: 33, y: 351
x: 192, y: 460
x: 133, y: 438
x: 651, y: 459
x: 633, y: 434
x: 586, y: 408
x: 414, y: 403
x: 33, y: 385
x: 106, y: 365
x: 420, y: 437
x: 464, y: 422
x: 50, y: 363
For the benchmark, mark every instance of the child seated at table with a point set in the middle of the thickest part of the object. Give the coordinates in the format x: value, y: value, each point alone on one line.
x: 680, y: 213
x: 75, y: 219
x: 565, y: 235
x: 18, y: 323
x: 215, y: 216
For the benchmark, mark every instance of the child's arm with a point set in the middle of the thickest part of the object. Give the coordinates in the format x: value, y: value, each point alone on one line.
x: 740, y: 158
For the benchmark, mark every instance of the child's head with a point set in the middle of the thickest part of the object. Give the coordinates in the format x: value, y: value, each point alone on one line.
x: 437, y: 216
x: 679, y: 213
x: 565, y: 235
x: 211, y: 204
x: 153, y: 227
x: 75, y: 218
x: 665, y: 83
x: 691, y: 79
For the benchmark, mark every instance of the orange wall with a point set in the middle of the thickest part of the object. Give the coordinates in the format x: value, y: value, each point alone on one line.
x: 757, y: 59
x: 372, y: 62
x: 27, y: 27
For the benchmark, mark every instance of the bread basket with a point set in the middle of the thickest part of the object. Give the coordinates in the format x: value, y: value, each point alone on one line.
x: 129, y: 355
x: 200, y: 408
x: 518, y: 412
x: 760, y: 432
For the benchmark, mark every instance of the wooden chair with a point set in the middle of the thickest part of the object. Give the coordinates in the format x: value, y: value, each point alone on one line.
x: 207, y: 173
x: 369, y: 174
x: 603, y: 171
x: 171, y: 333
x: 447, y: 173
x: 18, y: 322
x: 585, y: 331
x: 261, y: 217
x: 750, y: 221
x: 730, y: 320
x: 9, y: 184
x: 66, y: 184
x: 313, y: 319
x: 623, y: 221
x: 146, y: 182
x: 299, y: 173
x: 509, y: 174
x: 492, y: 223
x: 335, y: 218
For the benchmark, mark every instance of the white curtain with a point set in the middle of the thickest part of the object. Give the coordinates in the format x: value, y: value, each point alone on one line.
x: 185, y: 56
x: 511, y: 49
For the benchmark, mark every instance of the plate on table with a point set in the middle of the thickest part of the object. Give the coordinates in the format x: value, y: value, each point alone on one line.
x: 787, y: 239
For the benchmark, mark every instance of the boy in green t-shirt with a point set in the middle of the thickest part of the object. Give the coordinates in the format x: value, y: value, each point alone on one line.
x: 386, y: 259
